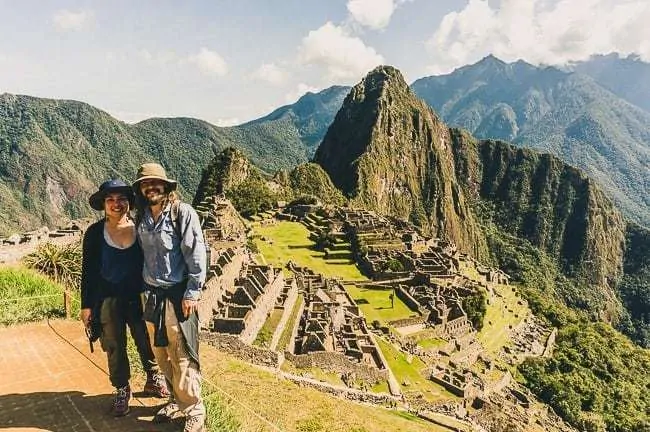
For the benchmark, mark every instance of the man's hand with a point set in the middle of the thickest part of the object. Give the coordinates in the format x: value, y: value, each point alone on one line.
x: 189, y: 306
x: 85, y: 315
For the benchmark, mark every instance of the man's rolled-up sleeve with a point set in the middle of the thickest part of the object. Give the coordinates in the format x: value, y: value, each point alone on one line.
x: 193, y: 249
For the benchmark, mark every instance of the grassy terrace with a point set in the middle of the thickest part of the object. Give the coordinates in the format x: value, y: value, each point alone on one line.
x: 290, y: 241
x: 411, y: 373
x: 265, y: 335
x: 289, y: 406
x: 26, y: 295
x: 503, y: 311
x: 285, y: 337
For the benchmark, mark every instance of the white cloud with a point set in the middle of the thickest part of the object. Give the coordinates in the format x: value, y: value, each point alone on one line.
x: 299, y: 91
x: 65, y: 20
x: 209, y: 62
x: 375, y: 14
x: 271, y: 73
x: 371, y: 13
x: 344, y: 56
x: 225, y: 122
x: 540, y: 31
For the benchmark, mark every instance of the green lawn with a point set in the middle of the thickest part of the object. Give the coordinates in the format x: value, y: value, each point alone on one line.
x: 26, y: 295
x: 432, y: 343
x: 287, y: 241
x: 290, y: 241
x: 375, y: 304
x: 314, y: 373
x: 265, y: 334
x: 412, y: 374
x: 502, y: 312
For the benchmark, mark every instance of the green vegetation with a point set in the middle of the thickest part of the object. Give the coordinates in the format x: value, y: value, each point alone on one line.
x: 289, y: 241
x: 61, y: 263
x: 432, y: 343
x: 26, y: 295
x: 265, y: 334
x: 505, y: 310
x: 475, y: 306
x: 376, y: 304
x: 408, y: 371
x: 311, y: 180
x: 252, y: 196
x: 595, y: 378
x: 285, y: 337
x: 220, y: 414
x: 634, y: 287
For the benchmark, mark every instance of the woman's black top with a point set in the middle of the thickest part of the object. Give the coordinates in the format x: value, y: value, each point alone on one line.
x: 107, y: 271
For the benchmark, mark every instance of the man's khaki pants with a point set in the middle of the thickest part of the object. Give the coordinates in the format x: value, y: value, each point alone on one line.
x: 177, y: 366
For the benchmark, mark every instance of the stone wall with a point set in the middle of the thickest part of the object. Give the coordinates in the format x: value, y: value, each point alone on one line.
x: 231, y: 344
x: 406, y: 322
x: 343, y: 392
x: 289, y: 302
x: 339, y: 363
x: 217, y: 285
x: 263, y: 307
x: 403, y: 295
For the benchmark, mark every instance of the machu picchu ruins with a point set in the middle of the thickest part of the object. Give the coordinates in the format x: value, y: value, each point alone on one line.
x: 289, y: 314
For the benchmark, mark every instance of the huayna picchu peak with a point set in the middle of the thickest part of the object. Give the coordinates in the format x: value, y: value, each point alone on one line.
x: 388, y: 151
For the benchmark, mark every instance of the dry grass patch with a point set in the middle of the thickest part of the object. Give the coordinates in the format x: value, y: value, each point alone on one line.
x: 294, y: 408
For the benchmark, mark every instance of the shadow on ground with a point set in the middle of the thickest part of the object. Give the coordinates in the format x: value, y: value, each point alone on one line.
x: 73, y: 410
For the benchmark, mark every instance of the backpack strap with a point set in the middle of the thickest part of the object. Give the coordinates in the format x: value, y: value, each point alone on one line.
x: 176, y: 218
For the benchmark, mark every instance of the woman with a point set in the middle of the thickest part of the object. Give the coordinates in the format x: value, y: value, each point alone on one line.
x: 111, y: 283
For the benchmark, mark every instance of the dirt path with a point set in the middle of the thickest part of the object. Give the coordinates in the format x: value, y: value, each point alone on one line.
x: 51, y: 382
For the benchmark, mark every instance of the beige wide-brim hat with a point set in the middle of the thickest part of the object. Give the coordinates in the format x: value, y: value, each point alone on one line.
x: 152, y: 171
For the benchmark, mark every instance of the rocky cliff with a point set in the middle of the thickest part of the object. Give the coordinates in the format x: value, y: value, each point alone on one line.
x: 387, y: 151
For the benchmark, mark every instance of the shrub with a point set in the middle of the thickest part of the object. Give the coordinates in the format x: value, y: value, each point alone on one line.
x: 61, y: 263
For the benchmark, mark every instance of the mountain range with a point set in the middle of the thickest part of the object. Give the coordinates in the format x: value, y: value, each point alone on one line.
x: 522, y: 207
x: 627, y: 77
x: 567, y: 247
x: 566, y: 114
x: 53, y: 153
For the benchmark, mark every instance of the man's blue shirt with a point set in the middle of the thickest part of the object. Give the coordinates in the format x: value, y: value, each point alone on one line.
x: 170, y: 258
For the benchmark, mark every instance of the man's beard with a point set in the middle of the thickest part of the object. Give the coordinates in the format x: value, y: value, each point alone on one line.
x: 154, y: 199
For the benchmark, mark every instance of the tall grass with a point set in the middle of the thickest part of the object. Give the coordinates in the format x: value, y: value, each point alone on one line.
x: 26, y: 295
x: 61, y: 263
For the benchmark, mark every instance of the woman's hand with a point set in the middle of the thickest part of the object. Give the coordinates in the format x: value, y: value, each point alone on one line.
x: 85, y: 315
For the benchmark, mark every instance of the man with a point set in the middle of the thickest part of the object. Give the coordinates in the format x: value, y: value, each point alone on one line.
x: 174, y: 273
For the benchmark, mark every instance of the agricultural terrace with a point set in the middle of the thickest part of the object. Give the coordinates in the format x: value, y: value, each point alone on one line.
x: 289, y: 241
x: 505, y: 310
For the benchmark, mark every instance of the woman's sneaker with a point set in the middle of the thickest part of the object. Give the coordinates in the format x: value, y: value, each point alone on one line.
x: 156, y: 385
x: 121, y: 401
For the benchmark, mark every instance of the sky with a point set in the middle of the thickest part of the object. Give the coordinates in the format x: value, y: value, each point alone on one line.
x: 230, y: 61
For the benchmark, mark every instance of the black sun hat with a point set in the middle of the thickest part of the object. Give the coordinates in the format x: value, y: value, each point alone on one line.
x: 96, y: 200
